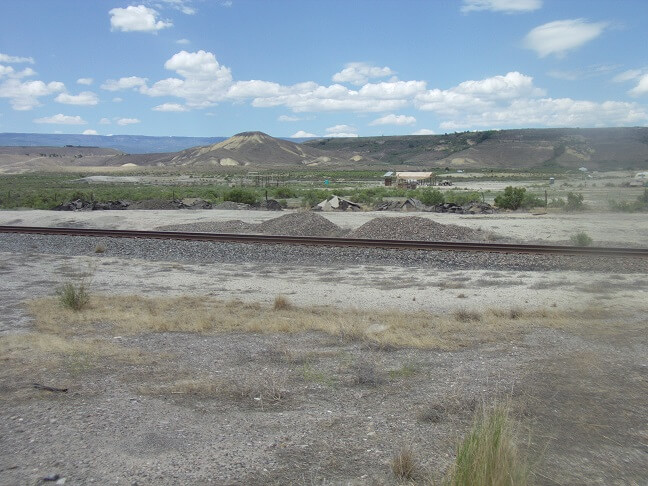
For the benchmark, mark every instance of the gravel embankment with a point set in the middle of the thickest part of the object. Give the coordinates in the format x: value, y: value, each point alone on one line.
x: 211, y: 252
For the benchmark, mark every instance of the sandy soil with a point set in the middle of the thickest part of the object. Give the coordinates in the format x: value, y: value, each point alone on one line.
x: 605, y: 228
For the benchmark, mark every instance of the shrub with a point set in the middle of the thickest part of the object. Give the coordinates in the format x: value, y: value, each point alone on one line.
x: 488, y: 455
x: 74, y: 297
x: 462, y: 197
x: 430, y: 197
x: 574, y: 202
x: 557, y: 203
x: 511, y: 198
x: 240, y: 195
x: 581, y: 239
x: 314, y: 196
x: 404, y: 465
x: 640, y: 204
x: 282, y: 303
x: 284, y: 192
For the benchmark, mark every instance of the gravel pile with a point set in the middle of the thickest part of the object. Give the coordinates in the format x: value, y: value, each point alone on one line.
x: 153, y: 204
x: 293, y: 224
x: 210, y: 252
x: 415, y: 228
x: 299, y: 224
x: 231, y: 205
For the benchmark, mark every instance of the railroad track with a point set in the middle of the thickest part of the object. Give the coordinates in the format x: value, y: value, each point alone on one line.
x: 336, y: 242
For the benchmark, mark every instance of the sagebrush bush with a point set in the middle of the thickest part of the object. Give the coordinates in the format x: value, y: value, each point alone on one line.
x: 574, y: 201
x: 581, y: 239
x: 240, y: 195
x: 73, y: 296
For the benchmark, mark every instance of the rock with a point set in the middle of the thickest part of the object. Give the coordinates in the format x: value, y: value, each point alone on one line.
x: 270, y: 205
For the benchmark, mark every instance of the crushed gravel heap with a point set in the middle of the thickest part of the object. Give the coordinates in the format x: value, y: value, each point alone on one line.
x: 300, y: 224
x: 153, y: 204
x: 415, y: 228
x: 293, y: 224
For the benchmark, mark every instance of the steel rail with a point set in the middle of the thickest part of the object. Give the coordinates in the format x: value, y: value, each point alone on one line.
x: 336, y: 242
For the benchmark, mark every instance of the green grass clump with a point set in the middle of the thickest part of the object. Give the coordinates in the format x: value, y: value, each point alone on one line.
x: 581, y: 239
x: 73, y: 297
x: 488, y: 455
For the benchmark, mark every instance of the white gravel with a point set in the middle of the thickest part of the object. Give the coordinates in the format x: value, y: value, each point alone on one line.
x: 605, y: 228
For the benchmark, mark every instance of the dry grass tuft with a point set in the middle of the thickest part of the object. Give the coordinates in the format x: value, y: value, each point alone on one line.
x: 464, y: 315
x: 261, y: 391
x: 282, y: 303
x: 393, y: 329
x: 489, y: 455
x: 404, y: 465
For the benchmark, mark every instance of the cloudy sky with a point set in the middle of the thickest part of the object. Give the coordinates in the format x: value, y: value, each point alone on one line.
x: 320, y: 67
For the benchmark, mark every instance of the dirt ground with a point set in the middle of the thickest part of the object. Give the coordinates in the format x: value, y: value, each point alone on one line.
x: 169, y: 407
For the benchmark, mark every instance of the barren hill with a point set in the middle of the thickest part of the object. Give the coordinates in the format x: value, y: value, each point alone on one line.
x: 256, y: 149
x: 595, y: 148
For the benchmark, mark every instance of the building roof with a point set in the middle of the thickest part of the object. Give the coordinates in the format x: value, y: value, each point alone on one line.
x: 414, y: 175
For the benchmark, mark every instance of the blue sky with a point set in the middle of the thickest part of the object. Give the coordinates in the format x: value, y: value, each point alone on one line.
x: 320, y: 67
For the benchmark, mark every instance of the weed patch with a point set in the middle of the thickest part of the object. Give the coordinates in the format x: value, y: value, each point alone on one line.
x: 488, y: 455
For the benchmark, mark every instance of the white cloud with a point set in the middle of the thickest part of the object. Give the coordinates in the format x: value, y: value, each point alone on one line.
x: 85, y: 81
x: 136, y: 19
x: 200, y: 64
x: 641, y: 88
x: 583, y: 73
x: 24, y: 96
x: 341, y: 128
x: 392, y: 89
x: 342, y: 135
x: 87, y: 98
x: 227, y: 3
x: 10, y: 72
x: 309, y: 97
x: 506, y: 6
x: 342, y: 131
x: 15, y: 59
x: 89, y: 132
x: 478, y: 95
x: 183, y: 41
x: 124, y: 83
x: 423, y: 131
x: 359, y: 73
x: 553, y: 112
x: 628, y: 75
x: 170, y: 107
x: 61, y: 119
x: 392, y: 119
x: 127, y: 121
x: 104, y: 121
x: 302, y: 134
x: 117, y: 99
x: 205, y: 80
x: 561, y: 36
x: 183, y: 6
x: 288, y: 118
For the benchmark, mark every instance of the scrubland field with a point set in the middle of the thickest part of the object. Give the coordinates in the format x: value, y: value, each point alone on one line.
x: 230, y: 364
